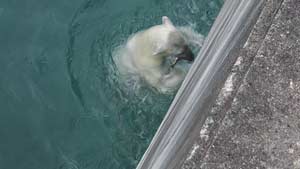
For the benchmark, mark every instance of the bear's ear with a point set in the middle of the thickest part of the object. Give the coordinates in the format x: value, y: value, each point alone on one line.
x: 166, y: 21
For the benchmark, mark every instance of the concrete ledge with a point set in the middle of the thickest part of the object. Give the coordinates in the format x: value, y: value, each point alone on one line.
x: 260, y: 128
x: 231, y: 86
x: 201, y: 86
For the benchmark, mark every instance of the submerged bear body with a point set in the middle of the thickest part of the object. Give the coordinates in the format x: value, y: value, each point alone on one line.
x: 146, y: 52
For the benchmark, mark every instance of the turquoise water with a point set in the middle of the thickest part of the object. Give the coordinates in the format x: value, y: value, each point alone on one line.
x: 61, y: 105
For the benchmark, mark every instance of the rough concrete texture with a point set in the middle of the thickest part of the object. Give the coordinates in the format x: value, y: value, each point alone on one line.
x: 255, y: 122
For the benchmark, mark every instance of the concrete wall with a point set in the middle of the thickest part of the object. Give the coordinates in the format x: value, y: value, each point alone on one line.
x: 198, y: 92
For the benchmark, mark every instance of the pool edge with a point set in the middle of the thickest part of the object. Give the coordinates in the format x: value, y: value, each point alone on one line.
x: 198, y: 92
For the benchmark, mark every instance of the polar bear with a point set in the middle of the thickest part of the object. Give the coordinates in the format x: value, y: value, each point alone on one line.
x: 146, y: 52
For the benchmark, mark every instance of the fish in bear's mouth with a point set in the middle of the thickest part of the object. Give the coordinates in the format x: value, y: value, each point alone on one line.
x: 187, y: 54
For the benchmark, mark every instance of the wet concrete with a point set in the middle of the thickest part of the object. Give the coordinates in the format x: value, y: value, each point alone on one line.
x: 255, y: 122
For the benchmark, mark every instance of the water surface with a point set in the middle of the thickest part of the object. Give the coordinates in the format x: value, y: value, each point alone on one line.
x: 61, y: 105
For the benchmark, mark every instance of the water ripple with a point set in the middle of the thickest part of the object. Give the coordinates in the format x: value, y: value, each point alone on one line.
x: 122, y: 121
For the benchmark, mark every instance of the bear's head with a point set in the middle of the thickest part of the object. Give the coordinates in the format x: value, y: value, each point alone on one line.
x: 175, y: 44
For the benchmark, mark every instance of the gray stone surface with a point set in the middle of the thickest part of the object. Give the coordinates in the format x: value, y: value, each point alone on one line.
x: 255, y: 122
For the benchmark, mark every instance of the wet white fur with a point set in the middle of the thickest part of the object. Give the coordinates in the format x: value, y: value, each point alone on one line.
x: 145, y: 52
